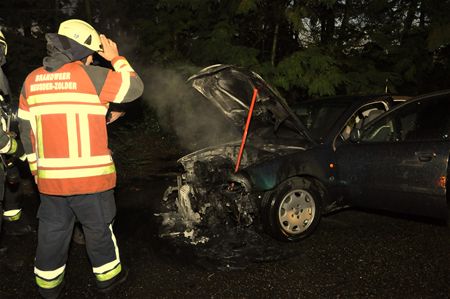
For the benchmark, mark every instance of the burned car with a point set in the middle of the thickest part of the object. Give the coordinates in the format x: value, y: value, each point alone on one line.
x: 304, y: 161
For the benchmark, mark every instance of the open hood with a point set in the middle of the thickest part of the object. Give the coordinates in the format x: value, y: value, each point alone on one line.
x: 230, y: 89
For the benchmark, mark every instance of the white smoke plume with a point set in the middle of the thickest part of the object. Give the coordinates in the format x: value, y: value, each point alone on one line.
x: 180, y: 109
x: 184, y: 111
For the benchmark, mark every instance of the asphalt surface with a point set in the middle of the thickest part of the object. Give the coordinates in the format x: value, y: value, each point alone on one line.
x: 352, y: 254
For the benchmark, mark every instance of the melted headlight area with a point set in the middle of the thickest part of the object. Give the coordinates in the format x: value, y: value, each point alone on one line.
x: 208, y: 198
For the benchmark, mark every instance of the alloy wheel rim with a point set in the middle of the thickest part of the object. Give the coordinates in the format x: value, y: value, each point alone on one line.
x: 296, y: 212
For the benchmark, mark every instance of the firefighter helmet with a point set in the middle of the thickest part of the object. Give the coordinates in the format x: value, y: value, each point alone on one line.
x: 82, y: 33
x: 3, y: 42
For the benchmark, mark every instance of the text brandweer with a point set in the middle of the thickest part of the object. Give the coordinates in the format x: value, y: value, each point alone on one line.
x: 50, y: 84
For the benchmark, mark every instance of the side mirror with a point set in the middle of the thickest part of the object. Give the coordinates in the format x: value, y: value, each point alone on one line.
x: 355, y: 135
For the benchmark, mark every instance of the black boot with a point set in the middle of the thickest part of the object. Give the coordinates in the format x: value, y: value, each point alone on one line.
x: 53, y: 293
x: 108, y: 286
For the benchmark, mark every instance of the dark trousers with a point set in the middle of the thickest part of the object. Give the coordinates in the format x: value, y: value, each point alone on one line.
x: 11, y: 194
x: 12, y: 199
x: 57, y: 216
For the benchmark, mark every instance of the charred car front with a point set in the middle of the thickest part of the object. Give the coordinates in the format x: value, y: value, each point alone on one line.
x: 304, y: 161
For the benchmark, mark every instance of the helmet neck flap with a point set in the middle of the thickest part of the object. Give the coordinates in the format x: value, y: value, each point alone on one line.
x: 62, y: 50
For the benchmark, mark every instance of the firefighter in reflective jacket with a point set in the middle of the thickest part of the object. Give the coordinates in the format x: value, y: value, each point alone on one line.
x: 12, y: 210
x: 62, y: 124
x: 9, y: 194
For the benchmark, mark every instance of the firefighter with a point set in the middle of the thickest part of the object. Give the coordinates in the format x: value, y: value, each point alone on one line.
x: 10, y: 209
x: 62, y: 125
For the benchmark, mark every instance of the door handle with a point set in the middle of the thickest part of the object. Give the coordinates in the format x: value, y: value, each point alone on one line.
x: 425, y: 156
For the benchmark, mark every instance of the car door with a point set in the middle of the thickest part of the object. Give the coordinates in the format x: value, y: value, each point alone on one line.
x: 400, y: 162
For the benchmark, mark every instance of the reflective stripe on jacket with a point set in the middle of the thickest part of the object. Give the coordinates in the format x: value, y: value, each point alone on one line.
x: 63, y: 126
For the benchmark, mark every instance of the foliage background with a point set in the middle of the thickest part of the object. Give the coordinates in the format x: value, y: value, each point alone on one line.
x: 305, y: 48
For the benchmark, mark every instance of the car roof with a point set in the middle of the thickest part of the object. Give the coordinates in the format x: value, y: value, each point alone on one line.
x: 423, y: 96
x: 356, y: 99
x: 432, y: 94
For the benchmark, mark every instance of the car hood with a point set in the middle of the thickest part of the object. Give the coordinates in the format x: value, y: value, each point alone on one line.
x: 230, y: 89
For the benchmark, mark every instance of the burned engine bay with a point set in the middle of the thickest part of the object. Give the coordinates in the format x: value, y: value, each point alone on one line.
x: 210, y: 197
x: 212, y: 213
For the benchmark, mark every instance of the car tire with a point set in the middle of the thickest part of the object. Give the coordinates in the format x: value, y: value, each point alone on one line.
x: 293, y: 210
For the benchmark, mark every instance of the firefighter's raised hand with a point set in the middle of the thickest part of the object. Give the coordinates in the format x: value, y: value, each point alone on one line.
x: 110, y: 50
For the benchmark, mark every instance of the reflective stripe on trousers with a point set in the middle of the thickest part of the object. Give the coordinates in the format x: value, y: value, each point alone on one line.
x: 12, y: 215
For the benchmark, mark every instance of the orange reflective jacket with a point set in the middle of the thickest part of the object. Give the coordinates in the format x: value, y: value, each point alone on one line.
x: 63, y: 126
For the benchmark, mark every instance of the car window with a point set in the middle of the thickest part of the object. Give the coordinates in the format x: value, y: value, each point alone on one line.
x: 320, y: 116
x: 361, y: 117
x: 421, y: 120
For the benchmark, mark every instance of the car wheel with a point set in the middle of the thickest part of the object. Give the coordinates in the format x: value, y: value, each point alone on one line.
x: 292, y: 211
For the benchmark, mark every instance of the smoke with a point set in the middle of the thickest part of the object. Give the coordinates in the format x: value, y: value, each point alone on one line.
x: 180, y: 109
x: 183, y: 111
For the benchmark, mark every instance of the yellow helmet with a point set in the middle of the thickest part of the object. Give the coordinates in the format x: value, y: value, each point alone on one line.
x: 82, y: 33
x: 3, y: 42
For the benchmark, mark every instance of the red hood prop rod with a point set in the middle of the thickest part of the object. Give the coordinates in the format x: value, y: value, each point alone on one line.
x: 247, y: 125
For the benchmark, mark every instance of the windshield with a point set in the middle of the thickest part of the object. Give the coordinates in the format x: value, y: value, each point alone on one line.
x: 320, y: 116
